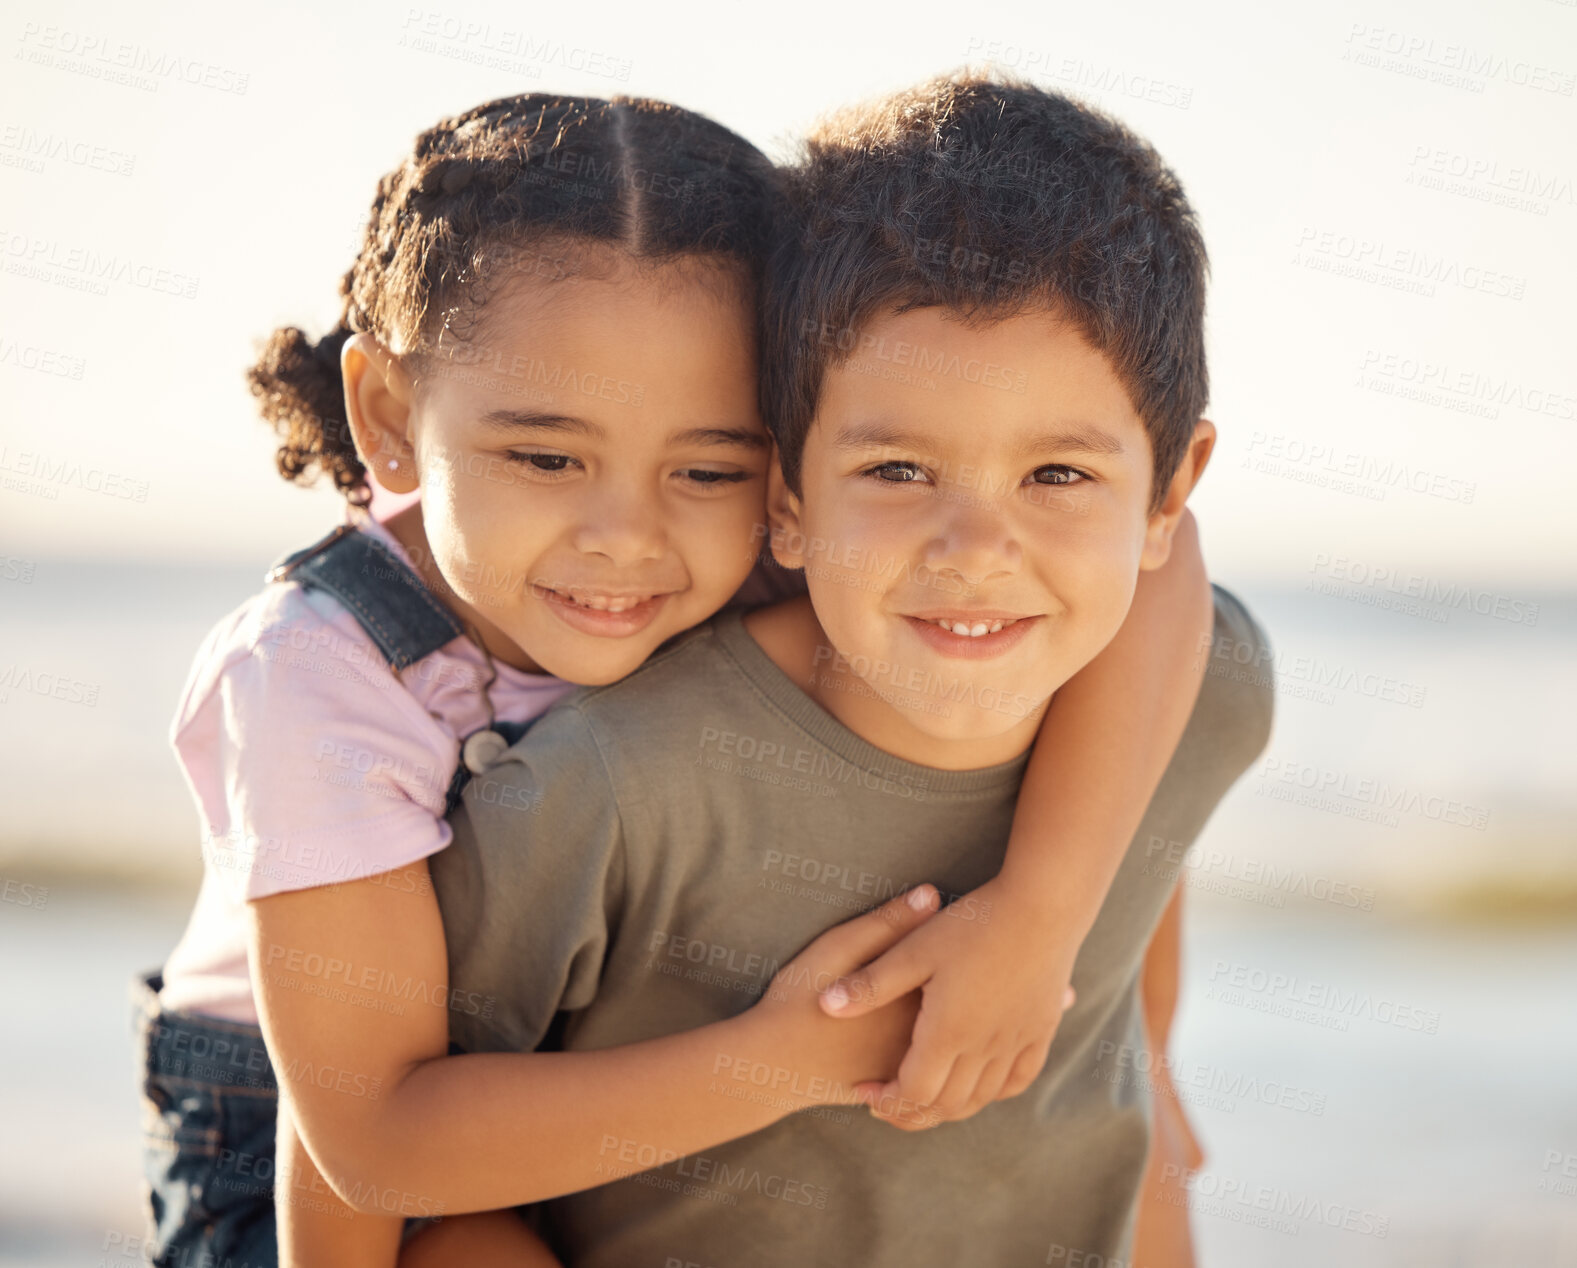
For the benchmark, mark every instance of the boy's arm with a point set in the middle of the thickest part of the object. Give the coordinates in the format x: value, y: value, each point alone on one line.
x: 994, y: 985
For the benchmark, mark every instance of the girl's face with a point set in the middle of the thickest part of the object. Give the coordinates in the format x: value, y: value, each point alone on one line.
x: 592, y: 463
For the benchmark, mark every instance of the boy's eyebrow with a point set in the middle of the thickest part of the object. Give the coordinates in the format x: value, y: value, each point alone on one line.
x: 739, y: 436
x: 1088, y: 439
x: 877, y: 436
x: 540, y: 421
x: 1083, y: 439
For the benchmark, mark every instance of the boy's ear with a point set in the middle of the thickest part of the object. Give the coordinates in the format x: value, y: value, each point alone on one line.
x: 1163, y: 521
x: 378, y: 408
x: 783, y: 517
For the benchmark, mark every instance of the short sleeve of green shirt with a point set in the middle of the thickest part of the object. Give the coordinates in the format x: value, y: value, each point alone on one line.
x: 543, y: 821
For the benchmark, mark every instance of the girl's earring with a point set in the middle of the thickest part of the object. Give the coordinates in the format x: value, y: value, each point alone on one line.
x: 394, y: 464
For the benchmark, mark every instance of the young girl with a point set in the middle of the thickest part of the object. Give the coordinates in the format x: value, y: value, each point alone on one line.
x: 550, y: 333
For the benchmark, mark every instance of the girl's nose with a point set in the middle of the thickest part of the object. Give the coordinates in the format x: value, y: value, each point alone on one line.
x: 624, y: 526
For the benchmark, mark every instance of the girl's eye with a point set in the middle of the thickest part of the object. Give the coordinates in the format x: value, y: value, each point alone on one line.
x: 706, y: 476
x: 1055, y: 473
x: 550, y: 463
x: 896, y: 472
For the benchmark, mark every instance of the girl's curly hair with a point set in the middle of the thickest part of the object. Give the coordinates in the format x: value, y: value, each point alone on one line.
x: 519, y: 173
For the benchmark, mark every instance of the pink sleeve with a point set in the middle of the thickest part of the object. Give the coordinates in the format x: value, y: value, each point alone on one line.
x: 310, y: 761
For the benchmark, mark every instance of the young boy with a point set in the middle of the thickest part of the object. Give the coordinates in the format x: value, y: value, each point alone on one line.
x: 984, y: 371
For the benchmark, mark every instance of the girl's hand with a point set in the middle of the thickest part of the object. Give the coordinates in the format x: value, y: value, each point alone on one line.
x: 994, y: 983
x: 809, y: 1058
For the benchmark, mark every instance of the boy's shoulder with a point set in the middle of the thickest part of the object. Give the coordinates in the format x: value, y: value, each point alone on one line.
x: 669, y: 674
x: 639, y: 738
x: 1237, y: 697
x: 695, y: 673
x: 713, y: 675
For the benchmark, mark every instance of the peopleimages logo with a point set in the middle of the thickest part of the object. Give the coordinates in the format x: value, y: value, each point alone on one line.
x: 1240, y: 1200
x: 818, y: 764
x: 1401, y: 267
x: 1231, y: 981
x: 1381, y: 580
x: 1369, y: 791
x: 1459, y: 388
x: 1166, y: 858
x: 1370, y: 476
x: 901, y: 352
x: 1196, y: 1083
x: 1449, y: 64
x: 41, y: 472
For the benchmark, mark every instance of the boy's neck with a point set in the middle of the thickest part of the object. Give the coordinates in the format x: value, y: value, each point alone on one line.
x: 409, y: 529
x: 795, y: 642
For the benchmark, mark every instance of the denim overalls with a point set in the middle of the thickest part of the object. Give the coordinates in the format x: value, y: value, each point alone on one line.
x: 209, y: 1093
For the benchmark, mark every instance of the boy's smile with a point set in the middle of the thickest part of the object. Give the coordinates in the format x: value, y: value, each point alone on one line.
x: 968, y: 547
x: 971, y: 634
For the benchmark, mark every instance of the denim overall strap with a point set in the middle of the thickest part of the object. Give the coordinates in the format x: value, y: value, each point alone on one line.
x: 388, y: 600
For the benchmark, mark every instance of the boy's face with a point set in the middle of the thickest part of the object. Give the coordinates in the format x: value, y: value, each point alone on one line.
x: 968, y: 547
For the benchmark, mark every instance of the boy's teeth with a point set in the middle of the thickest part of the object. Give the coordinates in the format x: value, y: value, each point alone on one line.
x: 978, y: 630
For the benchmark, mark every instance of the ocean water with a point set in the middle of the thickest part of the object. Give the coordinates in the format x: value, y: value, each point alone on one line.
x: 1437, y: 741
x: 1404, y: 1096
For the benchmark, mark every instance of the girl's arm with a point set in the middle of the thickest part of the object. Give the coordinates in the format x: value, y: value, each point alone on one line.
x: 1161, y: 1232
x: 352, y: 991
x: 314, y: 1226
x: 1102, y: 749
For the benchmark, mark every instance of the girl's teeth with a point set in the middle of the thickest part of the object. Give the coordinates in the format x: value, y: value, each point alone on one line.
x: 978, y: 630
x: 601, y: 604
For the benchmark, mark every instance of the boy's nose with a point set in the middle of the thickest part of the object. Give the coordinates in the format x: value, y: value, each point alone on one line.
x: 976, y: 543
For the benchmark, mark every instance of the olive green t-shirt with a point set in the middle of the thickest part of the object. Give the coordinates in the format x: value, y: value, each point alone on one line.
x: 652, y: 851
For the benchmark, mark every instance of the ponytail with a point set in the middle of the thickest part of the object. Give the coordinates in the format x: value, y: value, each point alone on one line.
x: 301, y: 393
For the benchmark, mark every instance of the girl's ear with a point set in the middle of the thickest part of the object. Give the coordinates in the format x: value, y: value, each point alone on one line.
x: 783, y: 517
x: 1163, y: 522
x: 378, y: 408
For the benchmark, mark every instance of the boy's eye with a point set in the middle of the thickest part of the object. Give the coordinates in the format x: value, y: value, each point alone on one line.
x: 1055, y: 473
x: 896, y: 472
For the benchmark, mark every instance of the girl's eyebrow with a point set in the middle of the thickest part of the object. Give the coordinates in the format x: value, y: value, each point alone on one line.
x: 538, y: 421
x: 737, y: 436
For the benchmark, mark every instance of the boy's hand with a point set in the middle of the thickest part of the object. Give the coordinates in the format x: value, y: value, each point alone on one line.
x: 995, y: 982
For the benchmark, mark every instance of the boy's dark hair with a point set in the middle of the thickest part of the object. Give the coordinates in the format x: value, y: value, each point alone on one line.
x: 990, y: 197
x: 487, y: 193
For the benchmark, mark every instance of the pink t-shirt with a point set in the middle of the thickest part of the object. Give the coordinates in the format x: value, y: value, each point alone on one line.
x: 312, y: 763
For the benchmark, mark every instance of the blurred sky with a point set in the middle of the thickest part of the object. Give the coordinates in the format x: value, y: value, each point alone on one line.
x: 1426, y: 146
